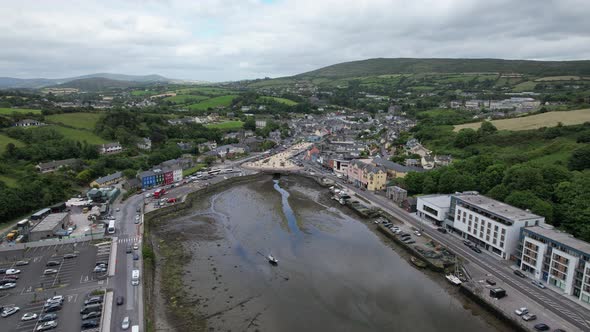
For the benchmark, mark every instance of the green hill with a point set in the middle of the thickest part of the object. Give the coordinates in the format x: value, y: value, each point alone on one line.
x: 98, y: 84
x: 385, y: 66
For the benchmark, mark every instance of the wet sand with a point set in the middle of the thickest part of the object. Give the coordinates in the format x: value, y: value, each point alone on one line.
x: 334, y: 273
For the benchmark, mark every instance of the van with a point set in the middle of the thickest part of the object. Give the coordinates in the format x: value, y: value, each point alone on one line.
x: 91, y: 308
x: 135, y: 277
x: 135, y: 328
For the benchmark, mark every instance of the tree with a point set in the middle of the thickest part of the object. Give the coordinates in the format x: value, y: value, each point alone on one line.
x: 428, y: 185
x: 584, y: 137
x: 250, y: 123
x: 209, y: 160
x: 465, y: 137
x: 580, y: 159
x: 491, y: 177
x: 84, y: 177
x: 487, y: 128
x: 414, y: 181
x: 522, y: 177
x: 129, y: 173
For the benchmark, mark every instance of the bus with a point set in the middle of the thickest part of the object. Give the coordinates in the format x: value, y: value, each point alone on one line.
x: 111, y: 228
x: 214, y: 171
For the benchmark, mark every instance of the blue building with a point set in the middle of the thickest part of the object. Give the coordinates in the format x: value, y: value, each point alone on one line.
x: 148, y: 179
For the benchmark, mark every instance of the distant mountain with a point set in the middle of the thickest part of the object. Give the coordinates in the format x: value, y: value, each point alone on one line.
x: 384, y: 66
x: 37, y: 83
x: 98, y: 84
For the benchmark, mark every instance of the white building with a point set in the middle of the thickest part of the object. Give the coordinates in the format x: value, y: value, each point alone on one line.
x: 110, y: 148
x: 434, y: 208
x: 558, y: 259
x: 492, y: 225
x: 145, y: 143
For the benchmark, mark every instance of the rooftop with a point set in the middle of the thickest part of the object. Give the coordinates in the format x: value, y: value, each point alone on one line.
x: 502, y: 209
x: 561, y: 237
x: 50, y: 222
x: 442, y: 201
x: 109, y: 178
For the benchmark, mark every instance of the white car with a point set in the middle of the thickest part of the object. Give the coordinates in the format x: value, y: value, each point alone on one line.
x: 125, y: 324
x: 521, y: 311
x: 49, y: 271
x: 9, y: 311
x: 29, y: 316
x: 538, y: 284
x: 8, y: 285
x: 12, y: 271
x: 57, y: 298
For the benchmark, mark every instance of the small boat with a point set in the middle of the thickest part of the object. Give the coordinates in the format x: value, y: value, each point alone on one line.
x: 418, y: 262
x: 453, y: 279
x: 272, y: 260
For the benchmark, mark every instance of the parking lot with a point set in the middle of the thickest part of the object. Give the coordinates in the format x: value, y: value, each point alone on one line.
x: 63, y: 269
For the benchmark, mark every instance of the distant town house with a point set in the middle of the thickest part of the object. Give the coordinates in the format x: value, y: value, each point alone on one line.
x: 107, y: 180
x: 145, y: 144
x: 57, y: 164
x: 28, y: 123
x: 110, y: 148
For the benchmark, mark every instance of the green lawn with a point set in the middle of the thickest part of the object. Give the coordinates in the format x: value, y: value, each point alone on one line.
x: 524, y: 86
x: 183, y: 99
x: 76, y: 120
x: 213, y: 102
x: 79, y: 135
x: 192, y: 170
x: 11, y: 182
x: 8, y: 111
x: 5, y: 140
x: 227, y: 125
x: 205, y: 90
x: 285, y: 101
x: 143, y: 92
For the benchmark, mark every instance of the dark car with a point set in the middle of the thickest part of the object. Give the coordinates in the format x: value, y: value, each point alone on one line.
x: 2, y: 271
x: 48, y: 317
x: 93, y: 314
x: 135, y: 256
x: 105, y: 263
x: 467, y: 243
x: 129, y: 249
x: 542, y: 327
x: 491, y: 282
x: 120, y: 300
x: 476, y: 249
x: 67, y: 256
x: 89, y: 323
x: 442, y: 230
x: 52, y: 263
x: 53, y: 307
x: 519, y: 273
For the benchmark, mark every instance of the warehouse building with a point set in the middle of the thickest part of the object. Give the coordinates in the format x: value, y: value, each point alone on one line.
x: 48, y: 227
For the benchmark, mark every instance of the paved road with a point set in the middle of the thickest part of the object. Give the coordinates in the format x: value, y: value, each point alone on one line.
x: 565, y: 308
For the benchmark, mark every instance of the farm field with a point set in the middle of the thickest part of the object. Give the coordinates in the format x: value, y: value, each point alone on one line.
x: 204, y: 90
x: 549, y: 119
x: 76, y: 120
x: 213, y: 102
x: 227, y: 125
x: 79, y: 135
x: 524, y: 86
x: 285, y: 101
x: 5, y: 140
x: 8, y: 111
x: 557, y: 78
x: 183, y: 99
x: 143, y: 92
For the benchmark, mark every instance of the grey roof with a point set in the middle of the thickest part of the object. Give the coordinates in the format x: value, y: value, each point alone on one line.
x: 57, y: 163
x: 146, y: 173
x: 109, y: 178
x: 396, y: 167
x: 50, y: 222
x: 441, y: 201
x: 561, y: 237
x: 502, y: 209
x: 111, y: 145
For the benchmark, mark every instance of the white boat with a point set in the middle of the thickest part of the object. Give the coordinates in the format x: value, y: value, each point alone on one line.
x: 453, y: 279
x: 272, y: 259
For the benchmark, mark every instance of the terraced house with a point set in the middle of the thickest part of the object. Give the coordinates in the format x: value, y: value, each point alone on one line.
x: 364, y: 174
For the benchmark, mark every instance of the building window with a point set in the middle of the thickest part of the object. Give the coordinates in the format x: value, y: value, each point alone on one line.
x: 585, y: 298
x: 496, y: 228
x: 502, y: 244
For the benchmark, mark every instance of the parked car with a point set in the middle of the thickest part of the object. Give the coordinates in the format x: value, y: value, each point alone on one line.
x: 49, y: 271
x: 476, y: 249
x: 490, y: 282
x: 8, y: 285
x: 467, y: 243
x: 21, y: 263
x: 541, y: 327
x: 12, y: 271
x: 529, y: 317
x: 99, y: 269
x: 68, y: 256
x: 90, y: 315
x: 135, y: 246
x: 8, y: 311
x: 52, y: 263
x: 117, y: 209
x: 521, y: 311
x: 129, y: 249
x: 29, y: 316
x: 538, y: 284
x: 47, y: 325
x: 90, y: 308
x: 48, y: 317
x: 53, y: 307
x: 442, y: 230
x: 94, y: 299
x: 135, y: 256
x: 418, y: 233
x: 11, y: 277
x: 120, y: 300
x: 519, y: 273
x: 89, y: 323
x: 56, y: 299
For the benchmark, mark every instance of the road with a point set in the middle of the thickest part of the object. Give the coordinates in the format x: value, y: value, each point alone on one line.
x: 565, y: 308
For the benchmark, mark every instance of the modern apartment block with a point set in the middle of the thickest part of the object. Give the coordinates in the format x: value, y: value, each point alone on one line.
x: 492, y: 225
x: 556, y: 258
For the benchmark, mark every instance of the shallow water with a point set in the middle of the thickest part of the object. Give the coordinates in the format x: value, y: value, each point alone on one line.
x: 334, y: 273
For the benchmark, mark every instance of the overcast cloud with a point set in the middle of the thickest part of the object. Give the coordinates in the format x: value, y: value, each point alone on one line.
x: 229, y: 40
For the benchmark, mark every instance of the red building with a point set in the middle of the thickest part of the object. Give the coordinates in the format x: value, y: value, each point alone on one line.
x: 168, y: 177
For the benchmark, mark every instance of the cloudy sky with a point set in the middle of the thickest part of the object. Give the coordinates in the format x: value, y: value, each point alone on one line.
x: 238, y: 39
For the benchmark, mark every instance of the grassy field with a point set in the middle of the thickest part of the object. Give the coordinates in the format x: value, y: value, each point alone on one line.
x: 9, y: 111
x: 182, y: 99
x: 10, y: 182
x: 558, y: 78
x: 5, y: 140
x: 213, y: 102
x: 192, y: 170
x: 79, y: 135
x: 280, y: 100
x: 205, y: 90
x: 227, y: 125
x: 76, y: 120
x: 549, y: 119
x: 524, y: 86
x: 143, y: 93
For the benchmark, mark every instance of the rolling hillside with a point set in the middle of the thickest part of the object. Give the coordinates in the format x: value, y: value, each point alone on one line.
x: 385, y: 66
x: 36, y: 83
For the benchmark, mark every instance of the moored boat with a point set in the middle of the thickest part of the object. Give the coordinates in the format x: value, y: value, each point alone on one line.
x: 272, y: 259
x: 418, y: 262
x: 453, y: 279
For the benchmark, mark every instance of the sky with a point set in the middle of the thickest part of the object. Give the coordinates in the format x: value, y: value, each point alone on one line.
x: 216, y: 41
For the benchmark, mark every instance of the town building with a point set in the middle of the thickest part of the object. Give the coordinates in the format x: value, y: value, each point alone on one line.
x: 167, y: 173
x: 145, y: 143
x: 396, y: 194
x: 557, y: 258
x: 363, y: 174
x: 49, y: 227
x: 28, y: 123
x: 395, y: 170
x: 434, y: 208
x: 107, y: 180
x: 490, y: 224
x: 57, y: 164
x: 110, y: 148
x: 260, y: 124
